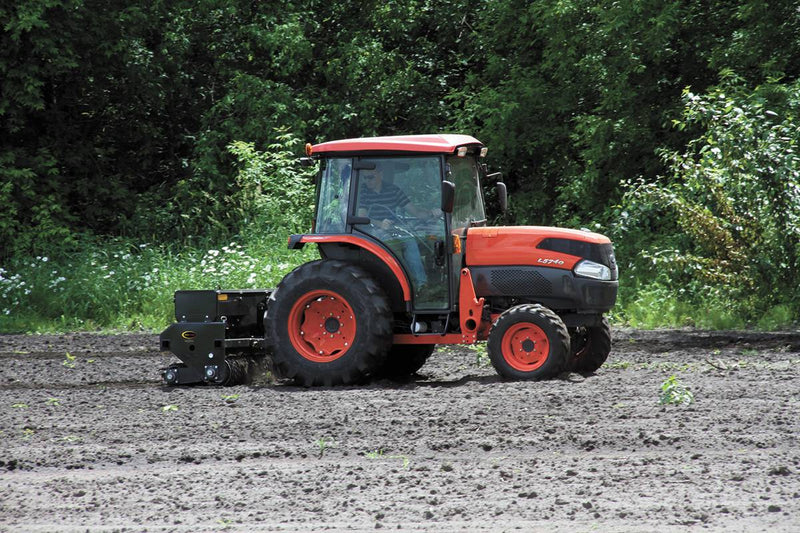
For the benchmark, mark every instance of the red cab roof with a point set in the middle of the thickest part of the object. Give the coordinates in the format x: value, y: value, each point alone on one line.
x: 445, y: 143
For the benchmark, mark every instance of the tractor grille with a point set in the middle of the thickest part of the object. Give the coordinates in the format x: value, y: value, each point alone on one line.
x: 520, y: 282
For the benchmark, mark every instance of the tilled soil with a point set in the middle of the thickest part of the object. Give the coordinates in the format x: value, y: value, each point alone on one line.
x: 91, y: 440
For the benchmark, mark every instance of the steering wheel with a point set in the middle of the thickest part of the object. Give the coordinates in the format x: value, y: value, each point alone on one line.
x: 399, y: 228
x: 395, y: 231
x: 379, y: 212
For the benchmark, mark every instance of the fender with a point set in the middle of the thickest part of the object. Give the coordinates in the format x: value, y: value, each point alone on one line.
x: 297, y: 241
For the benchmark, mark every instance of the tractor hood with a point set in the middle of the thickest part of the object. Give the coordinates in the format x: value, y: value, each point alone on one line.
x: 537, y: 246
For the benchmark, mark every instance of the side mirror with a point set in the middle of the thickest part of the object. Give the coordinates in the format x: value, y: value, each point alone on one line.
x: 502, y: 195
x: 306, y: 162
x: 448, y: 196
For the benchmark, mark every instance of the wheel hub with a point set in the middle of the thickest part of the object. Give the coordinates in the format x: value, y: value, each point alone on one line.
x: 322, y: 326
x: 525, y: 346
x: 528, y: 345
x: 332, y: 325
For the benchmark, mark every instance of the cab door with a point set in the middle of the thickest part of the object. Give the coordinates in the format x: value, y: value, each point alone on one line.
x: 401, y: 197
x: 468, y: 210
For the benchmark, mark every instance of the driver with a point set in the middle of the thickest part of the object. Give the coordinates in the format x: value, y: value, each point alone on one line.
x: 388, y: 196
x: 376, y: 192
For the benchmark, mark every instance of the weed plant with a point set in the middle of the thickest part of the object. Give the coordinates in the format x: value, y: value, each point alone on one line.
x: 323, y: 444
x: 673, y: 392
x: 379, y: 454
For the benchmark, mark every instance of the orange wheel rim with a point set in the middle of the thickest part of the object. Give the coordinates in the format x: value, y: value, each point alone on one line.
x: 525, y: 347
x: 322, y: 326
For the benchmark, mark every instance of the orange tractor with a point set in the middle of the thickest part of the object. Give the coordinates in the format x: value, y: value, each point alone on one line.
x: 407, y: 263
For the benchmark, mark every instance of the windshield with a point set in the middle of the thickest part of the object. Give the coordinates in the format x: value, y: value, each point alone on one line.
x: 468, y: 206
x: 333, y: 195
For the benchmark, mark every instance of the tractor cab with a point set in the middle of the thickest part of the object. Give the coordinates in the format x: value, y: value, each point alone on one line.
x: 407, y: 199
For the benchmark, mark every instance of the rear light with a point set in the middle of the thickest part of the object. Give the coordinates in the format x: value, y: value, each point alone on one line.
x: 590, y: 269
x: 462, y: 151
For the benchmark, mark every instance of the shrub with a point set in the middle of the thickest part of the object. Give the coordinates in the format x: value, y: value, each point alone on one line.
x: 724, y: 226
x: 274, y: 191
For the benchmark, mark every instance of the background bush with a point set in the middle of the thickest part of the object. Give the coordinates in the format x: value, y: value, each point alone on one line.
x: 669, y: 125
x: 721, y: 231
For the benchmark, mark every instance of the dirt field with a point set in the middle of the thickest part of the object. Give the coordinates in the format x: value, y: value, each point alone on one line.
x: 90, y: 440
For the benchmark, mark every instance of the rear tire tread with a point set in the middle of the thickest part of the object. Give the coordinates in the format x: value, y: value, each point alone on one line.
x: 373, y: 336
x: 405, y: 360
x: 597, y: 347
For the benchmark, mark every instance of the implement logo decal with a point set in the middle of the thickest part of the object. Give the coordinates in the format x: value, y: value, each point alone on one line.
x: 188, y: 335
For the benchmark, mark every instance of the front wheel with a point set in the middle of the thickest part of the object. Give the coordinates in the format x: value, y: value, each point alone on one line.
x: 528, y: 342
x: 330, y: 324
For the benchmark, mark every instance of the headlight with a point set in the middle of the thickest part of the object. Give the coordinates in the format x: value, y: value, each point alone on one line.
x: 590, y: 269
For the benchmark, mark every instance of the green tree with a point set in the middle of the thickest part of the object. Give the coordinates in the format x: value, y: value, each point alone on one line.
x: 575, y: 97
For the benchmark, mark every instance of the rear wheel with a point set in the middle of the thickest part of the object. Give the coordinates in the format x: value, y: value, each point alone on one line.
x: 404, y: 360
x: 591, y: 346
x: 528, y: 342
x: 330, y: 324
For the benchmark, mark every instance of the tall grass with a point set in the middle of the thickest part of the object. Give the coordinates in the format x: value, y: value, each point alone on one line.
x: 658, y: 306
x: 118, y: 285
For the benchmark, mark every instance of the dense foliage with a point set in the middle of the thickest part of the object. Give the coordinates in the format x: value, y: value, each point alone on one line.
x: 670, y: 125
x: 723, y: 225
